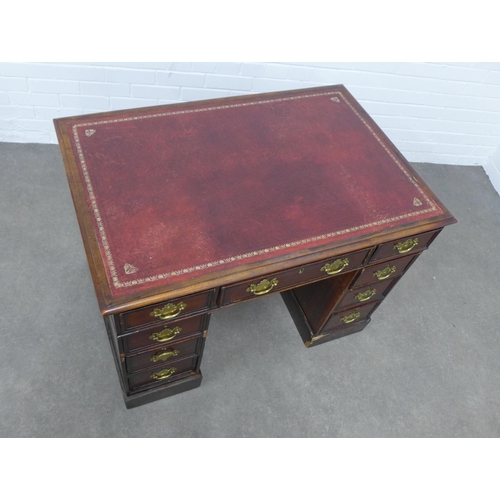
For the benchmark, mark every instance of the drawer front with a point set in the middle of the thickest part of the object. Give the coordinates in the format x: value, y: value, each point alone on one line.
x: 292, y: 277
x: 164, y: 334
x: 163, y: 374
x: 367, y: 294
x: 350, y: 316
x: 167, y: 354
x: 397, y: 248
x: 383, y: 271
x: 167, y: 311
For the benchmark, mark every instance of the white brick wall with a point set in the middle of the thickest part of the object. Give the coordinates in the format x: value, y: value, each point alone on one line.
x: 434, y: 112
x: 492, y: 168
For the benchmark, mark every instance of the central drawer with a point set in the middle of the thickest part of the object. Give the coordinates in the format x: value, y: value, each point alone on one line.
x: 283, y: 280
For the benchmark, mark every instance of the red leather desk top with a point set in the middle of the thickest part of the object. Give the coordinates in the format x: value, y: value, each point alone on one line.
x: 175, y: 192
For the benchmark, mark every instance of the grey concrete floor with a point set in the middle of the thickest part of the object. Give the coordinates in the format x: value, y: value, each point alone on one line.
x: 427, y: 365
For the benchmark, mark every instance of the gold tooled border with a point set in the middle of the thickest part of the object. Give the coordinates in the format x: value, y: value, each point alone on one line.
x: 102, y: 233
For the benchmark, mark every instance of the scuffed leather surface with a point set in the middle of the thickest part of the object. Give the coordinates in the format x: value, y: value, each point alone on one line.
x: 176, y: 194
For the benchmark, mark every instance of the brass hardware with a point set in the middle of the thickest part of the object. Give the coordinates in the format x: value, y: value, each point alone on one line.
x: 406, y: 246
x: 385, y: 273
x: 169, y: 311
x: 168, y: 372
x: 367, y: 295
x: 350, y: 317
x: 301, y: 270
x: 265, y: 286
x: 163, y: 355
x: 166, y: 334
x: 336, y: 266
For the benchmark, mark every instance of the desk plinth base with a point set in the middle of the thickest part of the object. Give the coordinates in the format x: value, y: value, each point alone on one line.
x: 309, y: 337
x: 148, y: 396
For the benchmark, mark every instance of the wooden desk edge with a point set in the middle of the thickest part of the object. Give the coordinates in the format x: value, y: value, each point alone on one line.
x: 242, y: 273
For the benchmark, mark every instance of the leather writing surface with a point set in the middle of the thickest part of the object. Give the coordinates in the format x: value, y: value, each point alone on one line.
x: 175, y: 192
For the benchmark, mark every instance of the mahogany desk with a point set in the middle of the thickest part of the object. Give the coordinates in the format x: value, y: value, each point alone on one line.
x: 190, y: 207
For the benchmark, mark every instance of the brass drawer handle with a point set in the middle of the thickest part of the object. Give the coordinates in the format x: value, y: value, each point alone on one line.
x: 166, y: 334
x: 163, y: 355
x: 169, y: 311
x: 385, y: 273
x: 336, y: 266
x: 406, y: 246
x: 350, y: 317
x: 367, y: 295
x: 163, y: 374
x: 265, y: 286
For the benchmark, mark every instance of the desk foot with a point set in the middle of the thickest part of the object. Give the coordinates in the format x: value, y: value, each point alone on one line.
x: 336, y: 334
x: 165, y: 391
x: 308, y: 335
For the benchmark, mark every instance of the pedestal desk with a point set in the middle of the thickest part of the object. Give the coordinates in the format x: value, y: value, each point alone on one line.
x: 191, y: 207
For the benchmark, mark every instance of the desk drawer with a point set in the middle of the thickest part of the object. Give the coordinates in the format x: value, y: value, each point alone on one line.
x: 367, y: 294
x: 164, y: 334
x: 350, y: 316
x: 160, y: 356
x: 163, y: 374
x: 167, y: 311
x: 403, y: 246
x: 292, y: 277
x: 383, y: 271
